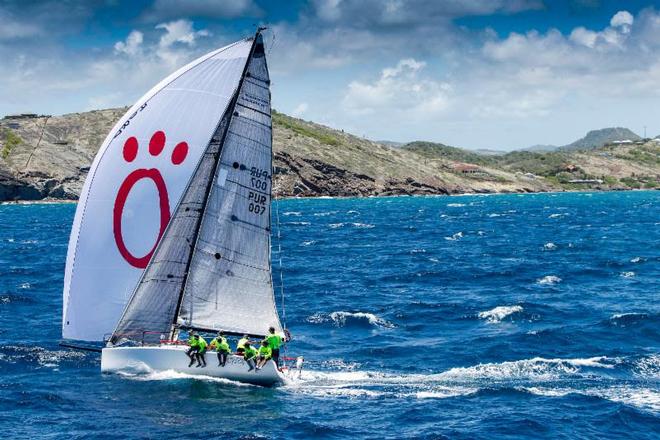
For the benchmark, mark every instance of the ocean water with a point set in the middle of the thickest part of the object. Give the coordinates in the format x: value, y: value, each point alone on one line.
x: 508, y: 316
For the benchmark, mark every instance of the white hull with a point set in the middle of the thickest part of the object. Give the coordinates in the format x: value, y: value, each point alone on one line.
x: 163, y: 358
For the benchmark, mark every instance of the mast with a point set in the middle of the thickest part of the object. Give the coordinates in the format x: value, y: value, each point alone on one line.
x: 227, y: 120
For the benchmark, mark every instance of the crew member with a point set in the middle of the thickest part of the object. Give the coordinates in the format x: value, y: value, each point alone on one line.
x: 249, y: 355
x: 274, y: 342
x: 222, y: 347
x: 201, y: 351
x: 194, y: 347
x: 240, y: 347
x: 265, y: 354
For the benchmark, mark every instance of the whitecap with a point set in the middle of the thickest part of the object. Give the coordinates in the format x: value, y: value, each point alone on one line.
x: 549, y: 279
x: 627, y: 274
x: 455, y: 205
x: 494, y: 215
x: 336, y: 225
x: 298, y: 223
x: 456, y: 236
x: 25, y: 286
x: 636, y: 260
x: 340, y: 319
x: 418, y: 251
x: 308, y: 243
x: 497, y: 314
x: 324, y: 214
x: 550, y: 246
x: 556, y: 215
x: 295, y: 213
x: 352, y: 212
x: 363, y: 225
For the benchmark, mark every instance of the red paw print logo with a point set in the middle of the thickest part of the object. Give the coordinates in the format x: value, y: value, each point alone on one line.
x: 130, y: 152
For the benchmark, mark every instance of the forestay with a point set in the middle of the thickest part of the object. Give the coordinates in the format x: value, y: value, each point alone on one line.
x: 229, y: 285
x: 139, y: 173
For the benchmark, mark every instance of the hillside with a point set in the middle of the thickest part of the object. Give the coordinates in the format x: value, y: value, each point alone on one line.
x: 602, y: 137
x: 49, y: 157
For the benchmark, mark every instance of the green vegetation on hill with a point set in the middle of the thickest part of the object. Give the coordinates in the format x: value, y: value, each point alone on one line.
x: 432, y: 150
x: 303, y: 130
x: 11, y: 140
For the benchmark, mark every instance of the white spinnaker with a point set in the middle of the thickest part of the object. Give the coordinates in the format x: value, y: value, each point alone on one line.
x: 186, y: 107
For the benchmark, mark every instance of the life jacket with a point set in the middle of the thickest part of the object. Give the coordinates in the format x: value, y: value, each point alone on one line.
x: 193, y: 342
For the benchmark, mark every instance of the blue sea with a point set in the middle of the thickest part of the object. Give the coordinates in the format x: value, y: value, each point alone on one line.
x: 468, y: 317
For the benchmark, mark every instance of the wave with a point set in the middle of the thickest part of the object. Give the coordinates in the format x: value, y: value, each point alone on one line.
x: 626, y: 319
x: 295, y: 213
x: 336, y: 225
x: 455, y: 237
x: 549, y: 280
x: 455, y: 205
x: 493, y: 215
x: 38, y: 356
x: 342, y: 319
x: 363, y: 225
x: 556, y: 215
x: 637, y: 260
x: 323, y: 214
x: 550, y: 246
x: 497, y: 314
x: 297, y: 223
x: 627, y: 274
x: 643, y: 398
x: 25, y: 286
x: 308, y: 243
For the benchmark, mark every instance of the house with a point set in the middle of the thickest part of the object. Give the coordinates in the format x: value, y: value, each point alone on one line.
x: 466, y: 168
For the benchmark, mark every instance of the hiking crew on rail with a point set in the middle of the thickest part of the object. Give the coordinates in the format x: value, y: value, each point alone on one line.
x: 255, y: 357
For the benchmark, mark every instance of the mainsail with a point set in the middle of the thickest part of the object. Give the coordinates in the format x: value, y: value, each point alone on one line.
x: 140, y: 172
x: 212, y: 270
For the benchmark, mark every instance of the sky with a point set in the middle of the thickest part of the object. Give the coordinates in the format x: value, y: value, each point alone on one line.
x: 478, y: 74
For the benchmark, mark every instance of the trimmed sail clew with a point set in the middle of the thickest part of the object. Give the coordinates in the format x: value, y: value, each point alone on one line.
x: 211, y: 269
x: 140, y: 173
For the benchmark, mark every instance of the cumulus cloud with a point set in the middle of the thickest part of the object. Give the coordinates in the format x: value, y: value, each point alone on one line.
x: 132, y: 44
x: 399, y: 89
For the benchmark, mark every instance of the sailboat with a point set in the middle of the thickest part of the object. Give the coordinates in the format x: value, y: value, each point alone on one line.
x: 172, y: 232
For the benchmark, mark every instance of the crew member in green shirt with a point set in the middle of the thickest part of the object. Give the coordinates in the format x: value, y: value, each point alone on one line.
x: 194, y: 347
x: 201, y: 351
x: 275, y: 341
x: 249, y: 354
x: 222, y: 347
x: 265, y: 354
x: 240, y: 347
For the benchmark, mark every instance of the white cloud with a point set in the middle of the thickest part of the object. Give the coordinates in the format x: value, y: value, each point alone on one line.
x: 179, y: 31
x: 398, y: 90
x: 11, y: 28
x: 622, y: 19
x: 132, y: 45
x: 300, y: 110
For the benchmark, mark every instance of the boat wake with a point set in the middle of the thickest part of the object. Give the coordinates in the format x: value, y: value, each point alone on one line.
x: 592, y: 377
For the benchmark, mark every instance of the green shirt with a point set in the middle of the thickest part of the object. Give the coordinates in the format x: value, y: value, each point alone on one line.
x: 265, y: 351
x: 220, y: 344
x: 194, y: 343
x: 202, y: 343
x: 274, y: 341
x: 241, y: 343
x: 249, y: 353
